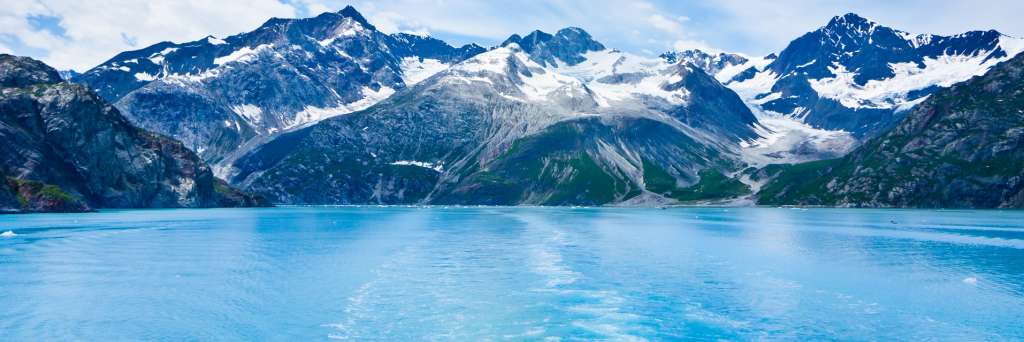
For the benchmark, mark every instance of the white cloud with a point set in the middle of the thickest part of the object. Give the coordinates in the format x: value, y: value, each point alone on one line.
x: 94, y: 28
x: 665, y: 24
x: 681, y: 45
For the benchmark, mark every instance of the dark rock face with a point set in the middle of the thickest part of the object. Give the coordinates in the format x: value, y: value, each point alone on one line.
x: 23, y: 71
x: 713, y: 107
x: 66, y: 136
x: 961, y: 148
x: 8, y: 197
x: 215, y: 95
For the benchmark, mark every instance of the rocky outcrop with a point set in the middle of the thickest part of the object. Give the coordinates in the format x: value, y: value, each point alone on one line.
x: 66, y: 136
x: 26, y: 196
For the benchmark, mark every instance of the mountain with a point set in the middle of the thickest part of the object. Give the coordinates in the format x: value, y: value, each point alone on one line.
x: 566, y: 46
x: 963, y: 147
x: 546, y: 119
x: 68, y: 75
x: 857, y: 76
x: 66, y: 149
x: 713, y: 64
x: 217, y: 94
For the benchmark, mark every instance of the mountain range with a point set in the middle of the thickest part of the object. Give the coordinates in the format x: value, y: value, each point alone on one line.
x: 287, y: 73
x: 330, y: 110
x: 514, y: 126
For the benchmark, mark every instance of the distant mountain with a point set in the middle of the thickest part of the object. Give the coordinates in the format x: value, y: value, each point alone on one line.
x: 68, y: 75
x: 216, y: 94
x: 66, y: 149
x: 860, y: 77
x: 557, y: 120
x: 567, y: 46
x: 713, y: 64
x: 963, y: 147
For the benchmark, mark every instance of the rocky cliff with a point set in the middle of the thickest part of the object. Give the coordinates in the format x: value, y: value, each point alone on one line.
x: 62, y: 139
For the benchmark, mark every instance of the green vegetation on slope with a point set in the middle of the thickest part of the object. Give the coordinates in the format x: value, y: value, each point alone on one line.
x: 37, y: 196
x: 711, y: 186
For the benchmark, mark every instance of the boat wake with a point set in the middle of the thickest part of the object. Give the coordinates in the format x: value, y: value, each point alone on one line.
x: 593, y: 311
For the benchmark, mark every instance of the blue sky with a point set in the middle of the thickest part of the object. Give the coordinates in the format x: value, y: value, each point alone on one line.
x: 80, y: 34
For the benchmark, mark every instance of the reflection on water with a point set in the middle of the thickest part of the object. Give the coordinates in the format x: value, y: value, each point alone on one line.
x: 512, y: 273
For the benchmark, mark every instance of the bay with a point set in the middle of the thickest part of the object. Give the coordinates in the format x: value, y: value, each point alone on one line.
x: 523, y: 273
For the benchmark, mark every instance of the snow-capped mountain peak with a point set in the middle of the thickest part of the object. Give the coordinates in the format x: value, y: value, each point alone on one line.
x: 850, y: 23
x: 710, y: 63
x: 565, y: 46
x: 856, y: 75
x: 284, y: 74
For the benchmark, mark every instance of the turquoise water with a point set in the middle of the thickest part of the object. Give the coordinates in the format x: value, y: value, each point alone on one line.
x: 512, y: 274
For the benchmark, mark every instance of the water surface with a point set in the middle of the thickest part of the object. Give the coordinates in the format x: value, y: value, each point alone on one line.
x: 513, y: 274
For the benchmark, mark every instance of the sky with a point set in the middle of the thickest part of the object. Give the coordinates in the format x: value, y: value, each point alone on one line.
x: 75, y: 34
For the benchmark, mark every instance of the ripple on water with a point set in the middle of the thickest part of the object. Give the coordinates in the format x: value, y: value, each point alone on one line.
x: 473, y: 274
x: 597, y: 312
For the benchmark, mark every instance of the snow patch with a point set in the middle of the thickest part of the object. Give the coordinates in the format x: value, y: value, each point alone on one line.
x: 158, y: 58
x: 495, y: 61
x: 607, y: 62
x: 761, y: 83
x: 541, y: 83
x: 415, y: 70
x: 786, y: 140
x: 215, y: 41
x: 349, y: 28
x: 650, y: 77
x: 727, y: 73
x: 439, y: 166
x: 251, y: 113
x: 910, y: 104
x: 185, y: 79
x: 146, y: 77
x: 1012, y: 45
x: 652, y: 85
x: 889, y: 93
x: 312, y: 114
x: 243, y: 54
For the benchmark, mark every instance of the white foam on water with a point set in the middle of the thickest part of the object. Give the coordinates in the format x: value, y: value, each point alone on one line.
x: 548, y: 262
x: 601, y: 310
x: 8, y: 234
x: 971, y: 281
